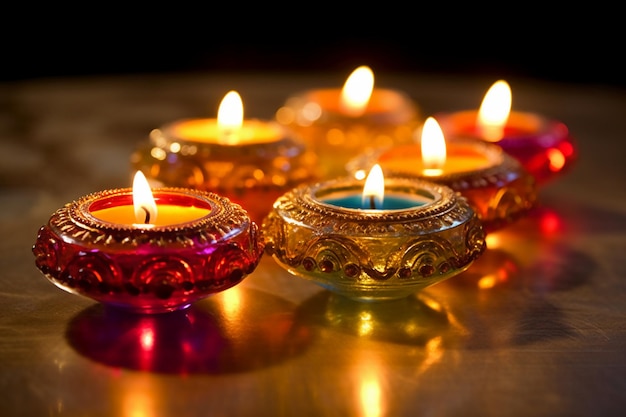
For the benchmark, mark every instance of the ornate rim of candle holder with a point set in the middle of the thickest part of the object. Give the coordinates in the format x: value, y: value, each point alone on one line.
x: 500, y: 193
x: 545, y: 154
x: 148, y: 269
x: 373, y: 255
x: 336, y: 137
x: 250, y: 174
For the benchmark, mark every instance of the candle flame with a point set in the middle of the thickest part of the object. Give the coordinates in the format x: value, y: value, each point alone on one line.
x: 494, y: 111
x: 374, y: 188
x: 357, y: 91
x: 143, y: 200
x: 230, y: 117
x: 433, y: 147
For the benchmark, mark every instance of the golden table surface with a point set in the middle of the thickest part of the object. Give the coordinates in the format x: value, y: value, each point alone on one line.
x: 545, y: 337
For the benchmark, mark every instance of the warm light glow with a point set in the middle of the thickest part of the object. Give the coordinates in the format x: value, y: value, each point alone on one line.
x: 494, y: 111
x: 493, y: 241
x: 374, y: 188
x: 357, y: 91
x: 366, y: 324
x: 487, y: 281
x: 143, y: 200
x: 556, y: 158
x: 139, y: 398
x: 434, y: 353
x: 371, y: 396
x: 232, y: 303
x: 549, y: 223
x: 230, y: 117
x: 360, y: 174
x: 146, y: 339
x: 433, y: 147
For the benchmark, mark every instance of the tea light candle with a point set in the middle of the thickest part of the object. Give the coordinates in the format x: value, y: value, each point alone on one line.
x: 149, y: 255
x: 373, y: 254
x: 249, y: 161
x: 373, y: 196
x: 544, y: 147
x: 495, y: 183
x: 339, y: 123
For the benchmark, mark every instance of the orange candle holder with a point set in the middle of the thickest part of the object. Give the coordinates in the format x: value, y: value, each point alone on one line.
x: 252, y: 172
x: 496, y: 185
x: 373, y: 255
x: 148, y: 268
x: 335, y: 136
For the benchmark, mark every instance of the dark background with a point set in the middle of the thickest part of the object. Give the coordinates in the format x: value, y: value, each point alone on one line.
x: 584, y: 45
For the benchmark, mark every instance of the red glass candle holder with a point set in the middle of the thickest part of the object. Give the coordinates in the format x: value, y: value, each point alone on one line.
x: 373, y: 255
x: 543, y: 146
x: 498, y: 188
x: 252, y: 172
x: 148, y: 268
x: 335, y: 136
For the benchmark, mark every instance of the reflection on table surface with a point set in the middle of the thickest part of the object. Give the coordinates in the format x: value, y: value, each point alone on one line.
x: 534, y: 327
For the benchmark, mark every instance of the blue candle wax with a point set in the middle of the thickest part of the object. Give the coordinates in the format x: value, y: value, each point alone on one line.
x: 390, y: 202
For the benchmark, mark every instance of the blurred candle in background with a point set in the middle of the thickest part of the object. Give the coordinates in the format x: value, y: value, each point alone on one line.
x: 543, y: 146
x: 250, y: 161
x: 339, y: 123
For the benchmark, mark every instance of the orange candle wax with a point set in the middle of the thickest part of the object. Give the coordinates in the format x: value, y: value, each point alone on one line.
x: 461, y: 158
x: 384, y: 105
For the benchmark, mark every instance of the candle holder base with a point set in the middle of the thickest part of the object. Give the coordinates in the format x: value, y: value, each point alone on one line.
x: 373, y: 255
x: 148, y: 270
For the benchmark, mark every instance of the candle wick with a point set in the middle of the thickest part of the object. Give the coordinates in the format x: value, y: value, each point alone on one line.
x: 372, y: 202
x: 147, y: 221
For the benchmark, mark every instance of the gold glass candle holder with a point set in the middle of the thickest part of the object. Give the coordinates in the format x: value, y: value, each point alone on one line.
x: 249, y: 161
x: 252, y: 173
x: 426, y: 234
x: 336, y: 132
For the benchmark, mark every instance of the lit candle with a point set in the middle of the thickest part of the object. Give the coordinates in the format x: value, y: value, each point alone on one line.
x: 148, y: 251
x: 496, y: 185
x: 249, y: 161
x: 339, y: 123
x: 229, y: 128
x: 329, y: 233
x: 543, y: 146
x: 373, y: 196
x: 144, y: 211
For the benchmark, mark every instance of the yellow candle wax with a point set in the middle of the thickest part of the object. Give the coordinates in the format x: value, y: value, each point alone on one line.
x: 207, y: 131
x: 167, y: 215
x: 459, y: 159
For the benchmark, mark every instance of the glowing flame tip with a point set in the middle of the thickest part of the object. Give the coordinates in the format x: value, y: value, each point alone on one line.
x: 374, y: 188
x: 143, y: 201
